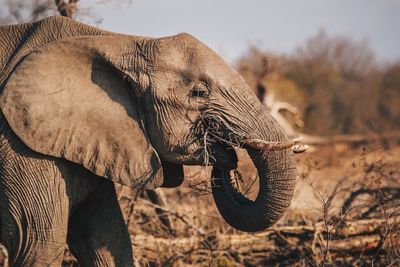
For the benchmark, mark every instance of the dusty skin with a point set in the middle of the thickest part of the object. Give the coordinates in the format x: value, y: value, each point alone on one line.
x: 83, y: 109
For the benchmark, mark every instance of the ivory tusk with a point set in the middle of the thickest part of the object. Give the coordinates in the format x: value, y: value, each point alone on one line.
x: 272, y: 146
x: 297, y: 149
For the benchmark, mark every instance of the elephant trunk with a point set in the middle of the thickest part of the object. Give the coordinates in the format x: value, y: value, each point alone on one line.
x: 277, y: 177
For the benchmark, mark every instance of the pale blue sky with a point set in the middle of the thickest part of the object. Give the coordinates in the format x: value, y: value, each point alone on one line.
x: 229, y: 26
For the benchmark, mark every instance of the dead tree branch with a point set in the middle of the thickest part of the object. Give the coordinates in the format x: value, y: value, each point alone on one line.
x: 66, y: 9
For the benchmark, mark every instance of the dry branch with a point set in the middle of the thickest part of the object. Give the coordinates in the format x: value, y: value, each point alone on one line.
x: 391, y: 194
x: 66, y: 9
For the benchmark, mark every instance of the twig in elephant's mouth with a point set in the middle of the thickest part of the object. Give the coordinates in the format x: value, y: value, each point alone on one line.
x: 217, y: 128
x: 223, y: 140
x: 219, y: 153
x: 206, y: 147
x: 210, y: 132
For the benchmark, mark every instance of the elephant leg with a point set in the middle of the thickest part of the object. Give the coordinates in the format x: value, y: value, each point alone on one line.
x: 97, y: 234
x: 37, y: 193
x: 34, y: 216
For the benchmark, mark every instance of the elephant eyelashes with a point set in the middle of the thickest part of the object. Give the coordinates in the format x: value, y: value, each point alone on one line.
x: 199, y: 90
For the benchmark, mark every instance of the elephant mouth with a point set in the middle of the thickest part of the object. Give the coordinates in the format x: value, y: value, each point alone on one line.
x: 223, y: 155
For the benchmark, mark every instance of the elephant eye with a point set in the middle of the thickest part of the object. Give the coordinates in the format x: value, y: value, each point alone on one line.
x: 199, y: 90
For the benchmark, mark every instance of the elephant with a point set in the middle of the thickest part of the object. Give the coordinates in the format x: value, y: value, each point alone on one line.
x: 83, y: 108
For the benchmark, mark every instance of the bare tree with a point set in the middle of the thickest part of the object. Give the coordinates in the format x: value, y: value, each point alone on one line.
x: 17, y: 11
x: 351, y: 59
x: 65, y: 8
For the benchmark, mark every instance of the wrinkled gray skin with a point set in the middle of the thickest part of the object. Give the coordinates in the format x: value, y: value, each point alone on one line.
x: 80, y: 105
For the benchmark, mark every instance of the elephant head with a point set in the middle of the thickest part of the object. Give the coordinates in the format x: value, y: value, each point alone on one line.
x: 135, y: 109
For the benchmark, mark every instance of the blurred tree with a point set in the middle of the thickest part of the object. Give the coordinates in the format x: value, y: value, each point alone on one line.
x: 389, y: 104
x: 352, y: 60
x: 338, y: 75
x: 17, y: 11
x: 255, y: 69
x: 66, y: 9
x: 335, y: 82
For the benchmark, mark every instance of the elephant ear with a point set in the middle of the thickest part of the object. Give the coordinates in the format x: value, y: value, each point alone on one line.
x: 67, y: 101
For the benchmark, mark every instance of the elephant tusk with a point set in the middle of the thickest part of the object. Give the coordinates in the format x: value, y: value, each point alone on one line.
x: 297, y: 149
x: 272, y: 146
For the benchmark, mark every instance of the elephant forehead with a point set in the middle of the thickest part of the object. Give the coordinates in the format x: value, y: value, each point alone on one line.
x: 195, y: 61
